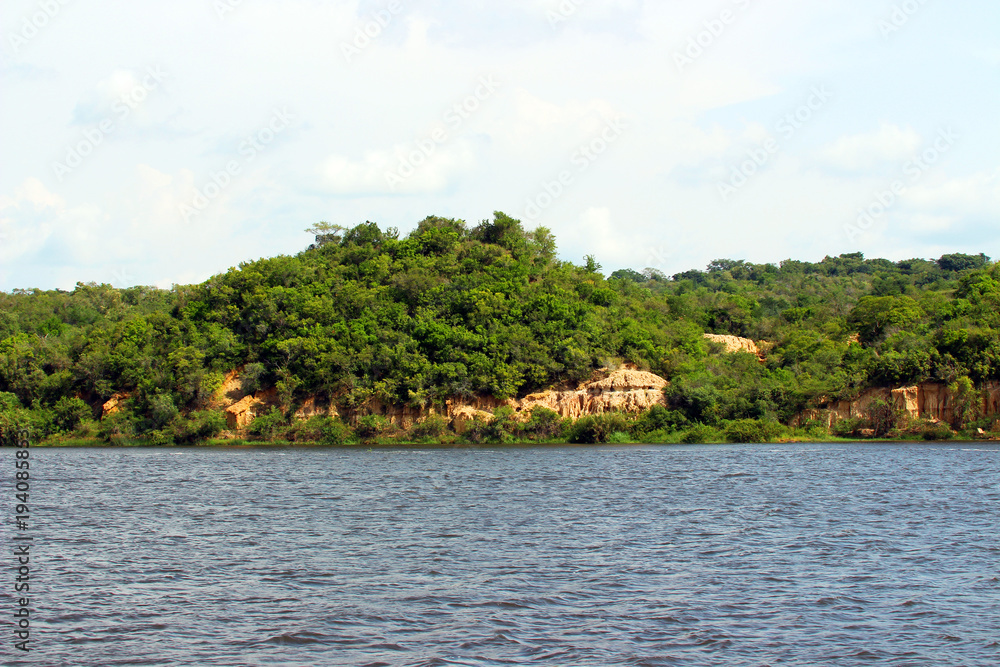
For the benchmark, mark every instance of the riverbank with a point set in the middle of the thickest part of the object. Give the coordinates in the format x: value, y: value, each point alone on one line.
x: 62, y: 442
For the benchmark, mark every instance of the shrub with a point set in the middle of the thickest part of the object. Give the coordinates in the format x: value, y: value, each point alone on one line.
x: 503, y: 425
x: 268, y: 425
x: 882, y: 417
x: 544, y: 424
x: 659, y: 418
x: 620, y: 438
x: 307, y: 430
x: 433, y: 427
x: 162, y: 410
x: 117, y: 428
x: 475, y: 431
x: 197, y: 426
x: 700, y: 434
x: 69, y: 412
x: 13, y: 417
x: 849, y: 428
x: 252, y: 378
x: 593, y: 429
x: 751, y: 430
x: 371, y: 427
x: 336, y: 432
x: 938, y: 431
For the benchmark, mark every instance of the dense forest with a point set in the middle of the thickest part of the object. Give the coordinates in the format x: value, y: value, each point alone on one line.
x: 452, y: 310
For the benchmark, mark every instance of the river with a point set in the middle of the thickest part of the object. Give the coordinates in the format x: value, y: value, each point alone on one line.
x: 636, y: 555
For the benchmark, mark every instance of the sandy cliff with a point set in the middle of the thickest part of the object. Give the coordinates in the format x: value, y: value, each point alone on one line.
x: 734, y: 344
x: 931, y: 401
x: 626, y: 389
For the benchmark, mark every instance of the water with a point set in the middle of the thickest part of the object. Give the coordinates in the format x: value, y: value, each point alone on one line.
x: 703, y: 555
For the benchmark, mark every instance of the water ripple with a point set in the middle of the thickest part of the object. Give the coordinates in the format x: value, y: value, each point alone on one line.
x: 701, y: 555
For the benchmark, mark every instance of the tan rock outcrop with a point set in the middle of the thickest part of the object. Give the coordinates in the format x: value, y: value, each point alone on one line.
x: 734, y: 344
x: 314, y: 407
x: 240, y: 414
x: 931, y: 401
x: 231, y: 390
x: 624, y: 390
x: 113, y: 404
x: 464, y: 415
x: 991, y: 399
x: 907, y: 399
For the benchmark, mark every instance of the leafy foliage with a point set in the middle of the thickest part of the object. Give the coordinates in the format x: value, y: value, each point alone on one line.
x: 367, y: 316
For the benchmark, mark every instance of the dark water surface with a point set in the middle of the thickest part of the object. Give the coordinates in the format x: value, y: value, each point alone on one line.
x: 703, y: 555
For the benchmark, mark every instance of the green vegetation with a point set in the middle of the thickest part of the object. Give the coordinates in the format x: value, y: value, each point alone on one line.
x: 365, y: 316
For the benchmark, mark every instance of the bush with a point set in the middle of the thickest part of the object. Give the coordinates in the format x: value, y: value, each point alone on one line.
x: 162, y: 410
x: 503, y: 425
x: 700, y: 434
x: 371, y: 427
x: 307, y: 430
x: 883, y: 417
x: 659, y: 418
x: 433, y: 427
x: 268, y: 425
x: 476, y: 431
x: 13, y: 417
x: 69, y: 412
x: 751, y: 430
x: 544, y: 424
x: 938, y: 431
x: 594, y: 429
x: 197, y: 426
x: 336, y: 432
x: 252, y: 378
x: 849, y: 428
x: 118, y: 428
x: 620, y: 438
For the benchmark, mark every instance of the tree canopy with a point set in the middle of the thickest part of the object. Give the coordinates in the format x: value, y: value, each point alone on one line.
x: 453, y: 310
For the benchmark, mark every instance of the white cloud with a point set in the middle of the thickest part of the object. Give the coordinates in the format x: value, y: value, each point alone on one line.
x: 423, y: 167
x: 976, y: 195
x: 26, y: 220
x: 890, y: 143
x: 654, y: 187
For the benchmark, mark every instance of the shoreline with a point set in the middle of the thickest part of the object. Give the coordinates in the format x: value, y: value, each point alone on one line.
x: 261, y: 444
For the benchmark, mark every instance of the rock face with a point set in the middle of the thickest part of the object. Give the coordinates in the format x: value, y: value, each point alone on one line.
x: 931, y: 401
x: 464, y: 415
x: 113, y: 405
x: 240, y: 414
x: 733, y: 344
x: 231, y: 390
x: 626, y: 389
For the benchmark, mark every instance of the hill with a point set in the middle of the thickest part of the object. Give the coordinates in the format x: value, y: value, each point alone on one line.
x: 365, y: 317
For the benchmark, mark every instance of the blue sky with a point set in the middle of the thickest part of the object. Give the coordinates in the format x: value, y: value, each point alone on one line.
x: 160, y: 143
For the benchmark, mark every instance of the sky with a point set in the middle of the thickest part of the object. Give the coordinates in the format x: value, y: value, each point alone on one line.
x: 160, y: 143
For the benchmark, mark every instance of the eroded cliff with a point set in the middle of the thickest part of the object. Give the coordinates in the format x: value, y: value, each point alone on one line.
x: 626, y: 389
